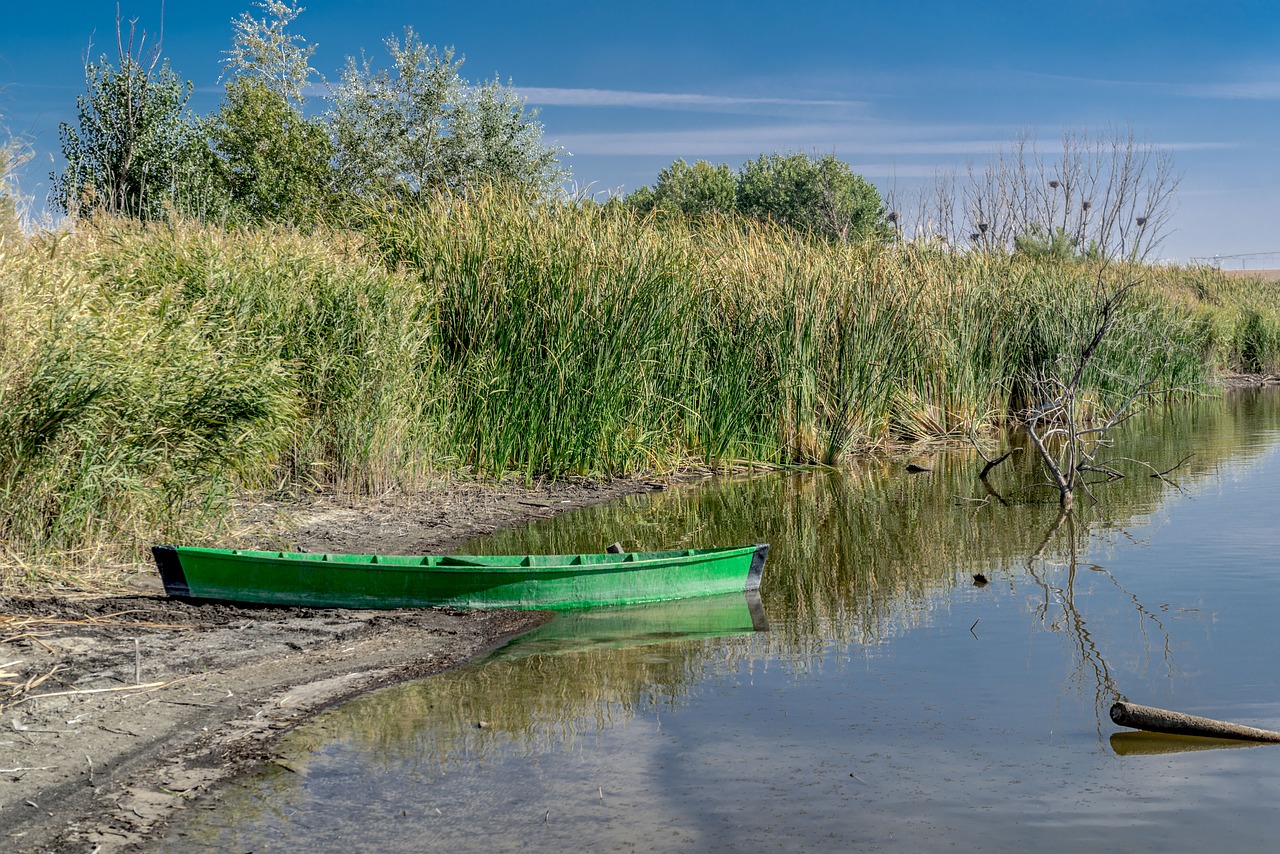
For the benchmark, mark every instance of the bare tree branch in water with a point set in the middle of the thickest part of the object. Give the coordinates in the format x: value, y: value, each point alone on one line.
x: 1090, y: 660
x: 1055, y: 423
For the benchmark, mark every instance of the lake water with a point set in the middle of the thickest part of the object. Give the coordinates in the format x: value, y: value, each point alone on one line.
x: 891, y: 704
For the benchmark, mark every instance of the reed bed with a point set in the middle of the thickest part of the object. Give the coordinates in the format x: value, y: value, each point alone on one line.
x: 148, y: 372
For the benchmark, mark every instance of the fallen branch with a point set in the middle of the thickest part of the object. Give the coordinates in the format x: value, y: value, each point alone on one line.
x: 1175, y: 723
x: 993, y: 463
x: 1161, y: 474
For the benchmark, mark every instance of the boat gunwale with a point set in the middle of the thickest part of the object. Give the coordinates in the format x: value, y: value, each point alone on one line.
x: 354, y: 562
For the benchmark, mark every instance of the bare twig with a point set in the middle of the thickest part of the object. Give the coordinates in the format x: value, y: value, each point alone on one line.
x: 993, y: 463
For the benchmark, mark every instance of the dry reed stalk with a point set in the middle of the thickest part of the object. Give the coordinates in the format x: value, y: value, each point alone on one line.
x: 145, y: 688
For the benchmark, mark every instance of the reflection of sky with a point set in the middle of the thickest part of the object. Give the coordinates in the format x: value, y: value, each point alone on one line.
x: 982, y: 728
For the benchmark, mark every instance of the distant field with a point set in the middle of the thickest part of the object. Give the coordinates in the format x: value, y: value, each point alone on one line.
x: 1265, y: 275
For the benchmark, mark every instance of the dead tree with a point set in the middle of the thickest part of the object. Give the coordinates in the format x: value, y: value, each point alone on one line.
x: 1067, y: 447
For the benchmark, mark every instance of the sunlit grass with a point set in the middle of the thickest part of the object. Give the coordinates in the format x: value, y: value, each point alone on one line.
x: 147, y: 373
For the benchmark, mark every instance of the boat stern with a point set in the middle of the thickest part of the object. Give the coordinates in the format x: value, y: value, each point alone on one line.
x: 170, y: 566
x: 757, y: 566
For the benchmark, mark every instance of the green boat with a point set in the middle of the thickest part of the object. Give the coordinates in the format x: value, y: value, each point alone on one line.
x: 459, y: 581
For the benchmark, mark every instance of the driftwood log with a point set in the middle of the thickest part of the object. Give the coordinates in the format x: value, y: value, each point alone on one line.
x: 1175, y: 723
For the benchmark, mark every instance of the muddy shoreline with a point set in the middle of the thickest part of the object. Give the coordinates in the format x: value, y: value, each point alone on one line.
x: 118, y: 711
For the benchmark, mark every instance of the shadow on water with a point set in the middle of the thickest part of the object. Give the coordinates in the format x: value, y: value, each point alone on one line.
x: 863, y: 562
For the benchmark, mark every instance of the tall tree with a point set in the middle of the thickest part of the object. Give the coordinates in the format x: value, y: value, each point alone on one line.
x: 817, y: 195
x: 274, y: 163
x: 134, y: 148
x: 264, y: 48
x: 1106, y: 193
x: 419, y: 126
x: 696, y: 190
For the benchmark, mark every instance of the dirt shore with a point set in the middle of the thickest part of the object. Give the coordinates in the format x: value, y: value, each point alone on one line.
x: 118, y: 711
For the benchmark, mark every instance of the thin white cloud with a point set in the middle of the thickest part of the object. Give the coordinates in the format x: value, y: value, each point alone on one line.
x: 1196, y: 146
x: 561, y: 97
x: 952, y: 143
x: 1265, y: 88
x: 1250, y: 90
x: 739, y: 141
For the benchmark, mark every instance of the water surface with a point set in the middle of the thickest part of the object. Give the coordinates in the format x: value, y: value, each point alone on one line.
x: 891, y: 704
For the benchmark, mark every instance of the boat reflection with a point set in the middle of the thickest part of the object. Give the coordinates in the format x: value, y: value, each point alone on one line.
x: 641, y: 625
x: 583, y: 672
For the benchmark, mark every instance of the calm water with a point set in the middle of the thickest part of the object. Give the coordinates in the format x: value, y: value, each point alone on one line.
x: 891, y: 705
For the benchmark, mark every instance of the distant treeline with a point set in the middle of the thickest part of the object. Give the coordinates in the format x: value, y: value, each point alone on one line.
x: 413, y: 126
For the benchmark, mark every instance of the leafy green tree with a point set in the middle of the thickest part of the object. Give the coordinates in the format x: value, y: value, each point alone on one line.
x: 419, y: 126
x: 135, y: 148
x: 640, y: 200
x: 273, y: 163
x: 816, y: 195
x: 696, y: 190
x: 265, y: 49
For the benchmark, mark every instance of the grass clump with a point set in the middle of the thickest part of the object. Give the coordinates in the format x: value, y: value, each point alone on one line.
x: 122, y: 421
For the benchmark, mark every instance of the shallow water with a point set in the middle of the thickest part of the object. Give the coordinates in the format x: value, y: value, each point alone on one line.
x: 891, y: 704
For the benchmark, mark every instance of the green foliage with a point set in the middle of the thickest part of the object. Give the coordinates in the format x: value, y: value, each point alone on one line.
x: 273, y: 163
x: 263, y: 49
x: 641, y: 200
x: 1036, y: 244
x: 698, y: 190
x: 147, y: 371
x: 134, y: 149
x: 418, y: 127
x: 1257, y: 342
x: 816, y: 195
x: 125, y: 420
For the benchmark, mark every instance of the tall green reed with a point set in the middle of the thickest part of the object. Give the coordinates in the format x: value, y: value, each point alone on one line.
x: 149, y: 371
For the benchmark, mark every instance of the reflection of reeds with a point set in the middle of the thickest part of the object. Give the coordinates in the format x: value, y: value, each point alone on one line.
x: 856, y: 556
x: 861, y: 552
x: 534, y: 703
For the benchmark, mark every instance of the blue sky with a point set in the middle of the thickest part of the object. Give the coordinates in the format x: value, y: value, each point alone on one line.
x: 898, y: 90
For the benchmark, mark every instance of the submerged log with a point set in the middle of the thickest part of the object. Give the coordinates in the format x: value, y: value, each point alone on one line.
x: 1176, y: 723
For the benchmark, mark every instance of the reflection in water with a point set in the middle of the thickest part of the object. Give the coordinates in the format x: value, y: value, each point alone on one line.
x: 891, y: 705
x: 582, y: 672
x: 1156, y: 743
x: 641, y: 625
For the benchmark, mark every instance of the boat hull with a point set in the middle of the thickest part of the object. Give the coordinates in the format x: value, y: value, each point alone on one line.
x: 460, y: 581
